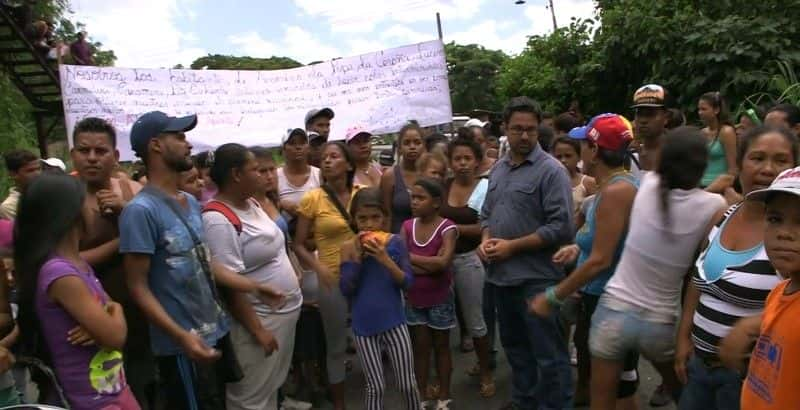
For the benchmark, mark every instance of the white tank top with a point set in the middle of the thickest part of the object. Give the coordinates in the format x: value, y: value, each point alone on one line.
x: 657, y: 257
x: 293, y: 194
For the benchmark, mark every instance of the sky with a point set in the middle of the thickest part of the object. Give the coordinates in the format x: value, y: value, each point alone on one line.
x: 163, y: 33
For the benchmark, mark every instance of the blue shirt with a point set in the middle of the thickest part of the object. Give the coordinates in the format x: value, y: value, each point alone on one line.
x: 176, y: 278
x: 375, y: 296
x: 585, y: 238
x: 532, y: 197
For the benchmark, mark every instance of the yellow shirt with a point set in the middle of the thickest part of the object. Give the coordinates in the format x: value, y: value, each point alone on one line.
x: 330, y: 228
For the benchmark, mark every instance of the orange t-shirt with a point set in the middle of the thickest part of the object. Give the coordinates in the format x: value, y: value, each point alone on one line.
x: 774, y: 374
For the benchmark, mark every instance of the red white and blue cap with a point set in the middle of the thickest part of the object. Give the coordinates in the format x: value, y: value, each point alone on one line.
x: 610, y: 131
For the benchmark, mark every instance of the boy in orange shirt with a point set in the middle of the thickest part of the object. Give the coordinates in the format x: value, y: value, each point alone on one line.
x: 773, y: 375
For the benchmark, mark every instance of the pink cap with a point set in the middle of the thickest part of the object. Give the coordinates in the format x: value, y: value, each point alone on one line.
x: 355, y: 131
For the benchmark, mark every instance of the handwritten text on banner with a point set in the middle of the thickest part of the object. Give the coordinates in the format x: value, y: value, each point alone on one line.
x: 381, y: 91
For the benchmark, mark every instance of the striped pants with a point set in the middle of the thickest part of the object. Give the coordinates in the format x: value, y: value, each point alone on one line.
x: 397, y: 343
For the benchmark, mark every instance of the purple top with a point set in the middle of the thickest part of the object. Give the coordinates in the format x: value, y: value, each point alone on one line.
x: 80, y: 50
x: 428, y: 290
x: 92, y: 377
x: 375, y: 297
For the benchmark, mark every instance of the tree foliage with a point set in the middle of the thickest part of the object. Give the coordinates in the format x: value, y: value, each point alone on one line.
x: 223, y: 62
x: 689, y: 46
x: 472, y: 72
x: 17, y: 128
x: 552, y: 69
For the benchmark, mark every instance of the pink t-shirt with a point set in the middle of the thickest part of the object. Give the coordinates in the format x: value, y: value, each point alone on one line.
x: 428, y: 290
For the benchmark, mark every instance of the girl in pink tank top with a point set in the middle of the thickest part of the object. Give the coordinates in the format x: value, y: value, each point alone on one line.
x: 430, y: 311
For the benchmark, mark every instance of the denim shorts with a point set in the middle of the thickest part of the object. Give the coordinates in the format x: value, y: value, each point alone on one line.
x: 437, y: 317
x: 615, y: 332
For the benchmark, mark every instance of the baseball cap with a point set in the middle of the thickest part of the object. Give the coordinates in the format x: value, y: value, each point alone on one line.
x: 291, y: 132
x: 327, y: 112
x: 55, y: 163
x: 474, y: 122
x: 788, y: 181
x: 578, y: 133
x: 610, y: 131
x: 313, y: 135
x: 355, y: 131
x: 151, y: 124
x: 650, y: 95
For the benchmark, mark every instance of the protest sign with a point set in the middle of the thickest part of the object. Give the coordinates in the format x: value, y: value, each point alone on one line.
x: 381, y: 91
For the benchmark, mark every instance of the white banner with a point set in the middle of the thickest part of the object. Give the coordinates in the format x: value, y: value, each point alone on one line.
x: 381, y: 91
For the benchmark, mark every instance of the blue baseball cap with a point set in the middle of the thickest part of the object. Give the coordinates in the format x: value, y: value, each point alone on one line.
x: 578, y: 133
x: 151, y: 124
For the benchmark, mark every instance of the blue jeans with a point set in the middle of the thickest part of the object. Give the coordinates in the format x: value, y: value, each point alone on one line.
x: 710, y: 388
x: 541, y: 377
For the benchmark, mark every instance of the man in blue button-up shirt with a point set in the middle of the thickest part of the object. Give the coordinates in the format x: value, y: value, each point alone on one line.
x: 526, y: 216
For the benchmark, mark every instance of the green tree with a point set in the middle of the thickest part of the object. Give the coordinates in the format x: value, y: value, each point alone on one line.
x: 552, y: 69
x: 472, y: 72
x: 689, y: 46
x: 223, y: 62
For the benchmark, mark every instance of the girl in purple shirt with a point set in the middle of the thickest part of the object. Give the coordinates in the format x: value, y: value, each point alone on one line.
x: 66, y: 318
x: 375, y: 269
x: 430, y: 310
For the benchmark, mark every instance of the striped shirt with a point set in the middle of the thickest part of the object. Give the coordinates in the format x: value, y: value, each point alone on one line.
x: 739, y: 292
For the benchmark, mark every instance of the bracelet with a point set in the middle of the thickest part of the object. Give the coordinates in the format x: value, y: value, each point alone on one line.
x: 552, y: 299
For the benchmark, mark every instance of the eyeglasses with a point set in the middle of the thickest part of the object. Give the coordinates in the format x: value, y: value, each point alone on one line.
x: 518, y: 131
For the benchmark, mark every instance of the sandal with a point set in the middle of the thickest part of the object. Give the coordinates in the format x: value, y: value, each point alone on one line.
x: 474, y: 370
x: 488, y: 389
x: 443, y: 404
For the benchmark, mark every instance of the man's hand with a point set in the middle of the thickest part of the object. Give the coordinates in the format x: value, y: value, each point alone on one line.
x: 197, y: 350
x: 109, y: 202
x: 498, y: 249
x: 482, y: 249
x: 566, y: 255
x: 267, y: 341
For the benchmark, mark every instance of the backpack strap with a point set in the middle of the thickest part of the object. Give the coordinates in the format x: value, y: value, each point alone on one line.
x: 227, y: 212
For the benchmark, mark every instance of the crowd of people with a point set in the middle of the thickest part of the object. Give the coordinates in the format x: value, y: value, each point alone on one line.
x: 241, y: 277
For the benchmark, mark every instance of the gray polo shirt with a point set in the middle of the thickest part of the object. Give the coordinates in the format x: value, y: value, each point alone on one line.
x: 532, y: 197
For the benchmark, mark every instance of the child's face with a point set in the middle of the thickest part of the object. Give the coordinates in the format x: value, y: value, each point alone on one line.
x: 422, y: 203
x: 435, y: 170
x: 782, y: 234
x: 192, y: 183
x: 369, y: 218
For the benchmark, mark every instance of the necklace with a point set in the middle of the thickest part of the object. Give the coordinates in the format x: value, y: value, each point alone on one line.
x: 613, y: 175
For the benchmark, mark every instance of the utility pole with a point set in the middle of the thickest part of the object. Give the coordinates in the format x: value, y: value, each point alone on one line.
x: 439, y: 23
x: 552, y: 13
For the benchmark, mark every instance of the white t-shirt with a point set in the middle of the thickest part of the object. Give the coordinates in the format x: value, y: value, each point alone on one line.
x: 657, y: 257
x: 258, y: 252
x: 293, y: 194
